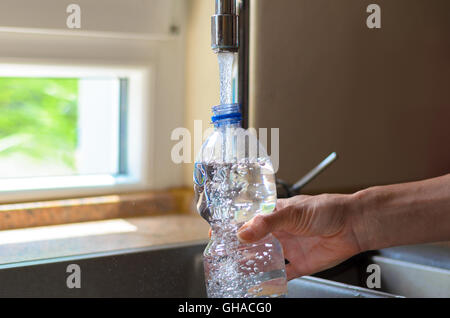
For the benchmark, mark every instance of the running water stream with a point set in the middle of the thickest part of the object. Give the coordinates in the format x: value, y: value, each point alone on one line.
x: 226, y: 60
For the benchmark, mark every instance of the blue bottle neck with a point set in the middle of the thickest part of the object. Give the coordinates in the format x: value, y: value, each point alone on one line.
x: 227, y: 116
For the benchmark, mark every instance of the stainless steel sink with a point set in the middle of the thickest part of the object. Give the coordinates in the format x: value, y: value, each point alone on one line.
x: 410, y: 271
x: 166, y: 271
x: 416, y: 271
x: 313, y: 287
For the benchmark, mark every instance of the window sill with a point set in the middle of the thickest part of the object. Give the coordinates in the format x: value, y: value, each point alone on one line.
x: 45, y: 213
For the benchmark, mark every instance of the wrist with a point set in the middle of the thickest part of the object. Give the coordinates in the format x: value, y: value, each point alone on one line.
x: 359, y: 206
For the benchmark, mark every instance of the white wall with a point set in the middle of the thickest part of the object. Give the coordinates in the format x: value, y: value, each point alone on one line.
x: 123, y: 34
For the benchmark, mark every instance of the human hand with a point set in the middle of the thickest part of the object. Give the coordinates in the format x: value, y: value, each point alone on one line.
x: 316, y: 232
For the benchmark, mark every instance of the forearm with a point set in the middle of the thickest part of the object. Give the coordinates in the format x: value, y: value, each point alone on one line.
x: 403, y: 214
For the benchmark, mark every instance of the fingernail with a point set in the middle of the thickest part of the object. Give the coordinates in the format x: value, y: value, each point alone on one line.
x: 245, y: 233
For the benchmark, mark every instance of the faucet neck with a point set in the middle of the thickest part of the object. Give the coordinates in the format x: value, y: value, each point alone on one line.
x: 225, y: 27
x: 225, y: 7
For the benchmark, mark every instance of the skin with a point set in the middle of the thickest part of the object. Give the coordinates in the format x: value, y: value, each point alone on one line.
x: 319, y: 232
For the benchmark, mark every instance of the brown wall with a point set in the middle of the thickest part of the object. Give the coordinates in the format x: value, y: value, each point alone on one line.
x: 380, y: 98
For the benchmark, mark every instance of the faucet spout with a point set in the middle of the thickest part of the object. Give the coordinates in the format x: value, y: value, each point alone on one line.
x: 225, y: 27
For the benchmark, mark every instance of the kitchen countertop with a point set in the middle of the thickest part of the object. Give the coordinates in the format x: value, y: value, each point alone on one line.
x: 100, y: 236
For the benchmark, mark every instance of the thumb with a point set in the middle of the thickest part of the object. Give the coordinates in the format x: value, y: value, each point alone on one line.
x: 262, y: 225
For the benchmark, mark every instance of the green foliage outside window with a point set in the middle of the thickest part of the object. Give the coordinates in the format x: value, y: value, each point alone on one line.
x: 38, y: 118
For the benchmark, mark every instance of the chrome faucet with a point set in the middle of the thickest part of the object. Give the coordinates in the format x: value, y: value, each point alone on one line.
x: 225, y: 27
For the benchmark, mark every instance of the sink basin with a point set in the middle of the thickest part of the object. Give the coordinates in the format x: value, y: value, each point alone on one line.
x: 411, y: 271
x: 416, y: 271
x: 313, y: 287
x: 166, y: 271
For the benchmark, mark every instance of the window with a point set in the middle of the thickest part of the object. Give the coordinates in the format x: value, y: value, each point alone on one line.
x: 68, y: 127
x: 60, y: 126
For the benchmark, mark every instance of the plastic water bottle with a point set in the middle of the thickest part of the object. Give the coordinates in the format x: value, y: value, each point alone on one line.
x: 234, y: 181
